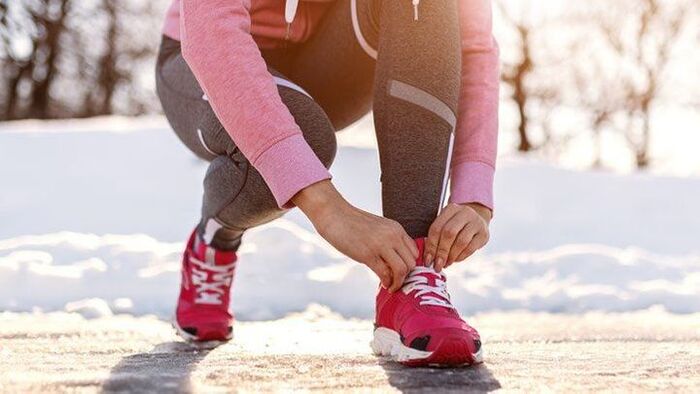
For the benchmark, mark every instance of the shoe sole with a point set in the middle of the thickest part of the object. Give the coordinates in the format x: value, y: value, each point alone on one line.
x: 450, y: 352
x: 193, y: 340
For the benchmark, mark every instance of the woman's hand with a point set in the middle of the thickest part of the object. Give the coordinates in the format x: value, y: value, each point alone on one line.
x: 458, y: 232
x: 380, y: 243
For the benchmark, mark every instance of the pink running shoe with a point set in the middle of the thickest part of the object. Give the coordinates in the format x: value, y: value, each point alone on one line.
x: 202, y: 314
x: 419, y: 326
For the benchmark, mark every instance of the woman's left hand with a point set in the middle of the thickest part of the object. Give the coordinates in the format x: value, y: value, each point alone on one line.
x: 458, y: 232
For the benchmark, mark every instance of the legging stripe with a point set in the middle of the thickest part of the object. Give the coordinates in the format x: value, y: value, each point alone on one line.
x: 422, y: 99
x: 446, y: 177
x: 426, y: 100
x: 289, y: 84
x: 204, y: 144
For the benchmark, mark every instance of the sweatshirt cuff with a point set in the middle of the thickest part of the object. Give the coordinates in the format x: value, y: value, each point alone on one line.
x: 288, y: 166
x: 472, y: 181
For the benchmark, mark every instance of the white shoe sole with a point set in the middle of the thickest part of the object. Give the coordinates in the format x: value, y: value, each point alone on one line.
x: 388, y: 343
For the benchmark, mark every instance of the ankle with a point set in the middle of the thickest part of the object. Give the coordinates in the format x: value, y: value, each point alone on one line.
x: 219, y: 237
x: 226, y: 244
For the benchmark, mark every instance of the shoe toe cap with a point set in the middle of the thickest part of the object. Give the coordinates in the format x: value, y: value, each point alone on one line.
x: 431, y: 340
x: 210, y: 331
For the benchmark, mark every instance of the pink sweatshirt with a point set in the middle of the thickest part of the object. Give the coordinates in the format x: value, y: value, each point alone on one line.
x: 220, y: 40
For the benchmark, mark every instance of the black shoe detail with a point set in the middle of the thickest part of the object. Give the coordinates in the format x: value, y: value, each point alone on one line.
x: 420, y: 343
x: 190, y: 330
x: 477, y: 345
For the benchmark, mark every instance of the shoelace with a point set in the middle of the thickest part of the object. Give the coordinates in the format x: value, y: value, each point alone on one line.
x: 417, y: 280
x: 209, y: 291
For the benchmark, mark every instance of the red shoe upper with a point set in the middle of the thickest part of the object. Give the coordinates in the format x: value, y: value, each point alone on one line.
x: 203, y: 305
x: 422, y: 308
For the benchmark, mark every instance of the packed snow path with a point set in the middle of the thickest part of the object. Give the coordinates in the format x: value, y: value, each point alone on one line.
x: 317, y: 350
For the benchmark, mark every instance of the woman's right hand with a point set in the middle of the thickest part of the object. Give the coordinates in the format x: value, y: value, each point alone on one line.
x: 380, y: 243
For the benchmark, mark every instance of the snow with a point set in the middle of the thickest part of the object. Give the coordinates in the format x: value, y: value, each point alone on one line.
x: 94, y: 214
x: 91, y: 308
x: 316, y: 350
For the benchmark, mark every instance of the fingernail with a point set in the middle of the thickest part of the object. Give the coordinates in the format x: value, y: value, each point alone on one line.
x: 438, y: 263
x: 428, y: 258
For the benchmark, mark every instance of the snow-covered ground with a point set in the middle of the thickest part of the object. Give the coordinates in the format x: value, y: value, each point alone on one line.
x: 93, y: 215
x: 318, y: 351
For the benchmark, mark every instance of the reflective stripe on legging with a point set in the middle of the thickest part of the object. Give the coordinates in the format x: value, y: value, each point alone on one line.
x: 289, y: 84
x: 431, y: 103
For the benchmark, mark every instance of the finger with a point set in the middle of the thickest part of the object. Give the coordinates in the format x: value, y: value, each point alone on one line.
x: 380, y: 268
x: 478, y: 242
x: 397, y: 267
x: 447, y: 237
x: 405, y: 253
x: 411, y: 244
x: 433, y: 239
x: 461, y: 242
x: 402, y: 245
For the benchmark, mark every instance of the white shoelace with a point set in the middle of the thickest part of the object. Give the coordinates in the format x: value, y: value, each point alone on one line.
x: 210, y: 291
x: 417, y: 280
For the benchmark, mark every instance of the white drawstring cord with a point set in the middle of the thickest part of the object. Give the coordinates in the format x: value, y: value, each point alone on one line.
x: 290, y: 11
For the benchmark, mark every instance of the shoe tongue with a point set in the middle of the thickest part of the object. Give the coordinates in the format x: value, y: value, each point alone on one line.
x: 420, y: 243
x: 211, y: 255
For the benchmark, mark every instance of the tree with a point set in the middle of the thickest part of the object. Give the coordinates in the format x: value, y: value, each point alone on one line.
x: 526, y: 59
x: 67, y: 58
x: 516, y: 73
x: 624, y: 77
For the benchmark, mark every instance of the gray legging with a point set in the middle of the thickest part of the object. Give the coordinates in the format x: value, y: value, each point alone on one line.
x: 366, y: 54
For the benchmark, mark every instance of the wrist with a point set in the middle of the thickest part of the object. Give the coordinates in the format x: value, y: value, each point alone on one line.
x: 481, y: 210
x: 317, y: 199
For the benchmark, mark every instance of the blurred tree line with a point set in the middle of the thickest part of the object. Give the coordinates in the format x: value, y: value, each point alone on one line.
x: 597, y: 69
x: 583, y: 72
x: 70, y: 58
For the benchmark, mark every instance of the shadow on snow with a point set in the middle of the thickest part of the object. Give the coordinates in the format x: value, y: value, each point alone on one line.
x: 166, y: 368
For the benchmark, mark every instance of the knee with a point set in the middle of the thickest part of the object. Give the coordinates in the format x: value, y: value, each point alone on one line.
x: 322, y: 141
x: 224, y: 180
x: 318, y: 132
x: 315, y: 124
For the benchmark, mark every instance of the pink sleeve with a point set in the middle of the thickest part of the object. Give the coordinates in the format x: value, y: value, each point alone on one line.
x: 474, y: 154
x: 218, y: 47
